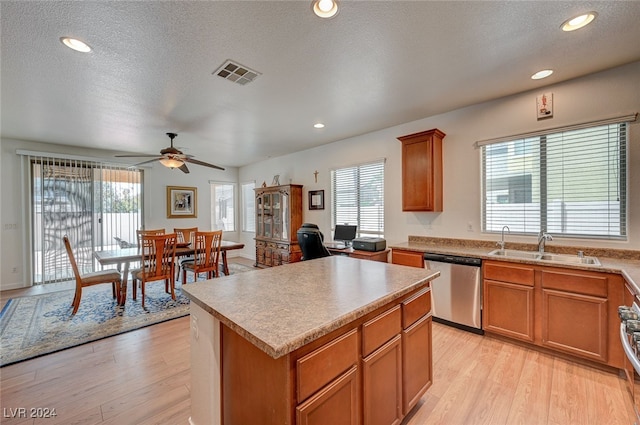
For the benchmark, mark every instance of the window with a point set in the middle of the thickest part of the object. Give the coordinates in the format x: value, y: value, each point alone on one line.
x: 570, y: 182
x: 248, y: 207
x: 357, y: 197
x: 99, y: 206
x: 223, y: 206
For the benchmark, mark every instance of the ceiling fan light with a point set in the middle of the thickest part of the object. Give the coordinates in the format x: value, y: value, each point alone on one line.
x: 325, y: 8
x: 171, y: 162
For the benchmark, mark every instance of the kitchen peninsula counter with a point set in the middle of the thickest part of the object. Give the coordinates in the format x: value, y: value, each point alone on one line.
x: 275, y: 316
x: 623, y: 262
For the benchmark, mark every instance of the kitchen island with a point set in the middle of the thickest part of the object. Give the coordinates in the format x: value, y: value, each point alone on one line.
x: 333, y: 340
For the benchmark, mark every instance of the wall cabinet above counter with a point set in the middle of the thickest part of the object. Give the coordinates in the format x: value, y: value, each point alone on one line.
x: 422, y: 171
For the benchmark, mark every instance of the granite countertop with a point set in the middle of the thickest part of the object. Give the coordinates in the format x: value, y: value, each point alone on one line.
x: 283, y: 308
x: 624, y: 262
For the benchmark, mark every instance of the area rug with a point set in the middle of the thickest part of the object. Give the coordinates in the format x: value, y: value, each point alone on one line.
x: 42, y: 324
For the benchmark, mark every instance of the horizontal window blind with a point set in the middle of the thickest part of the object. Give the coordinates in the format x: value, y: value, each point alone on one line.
x: 357, y: 197
x: 223, y: 206
x: 569, y: 183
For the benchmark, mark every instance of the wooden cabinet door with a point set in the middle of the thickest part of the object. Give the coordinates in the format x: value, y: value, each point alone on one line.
x: 417, y: 367
x: 407, y: 258
x: 382, y: 384
x: 508, y: 309
x: 422, y: 171
x: 575, y: 323
x: 335, y: 404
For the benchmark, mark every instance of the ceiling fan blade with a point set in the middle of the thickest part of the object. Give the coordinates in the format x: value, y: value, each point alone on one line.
x: 184, y: 168
x: 146, y: 162
x: 206, y: 164
x: 135, y: 156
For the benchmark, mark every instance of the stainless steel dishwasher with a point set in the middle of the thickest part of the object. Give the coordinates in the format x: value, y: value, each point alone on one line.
x: 457, y: 294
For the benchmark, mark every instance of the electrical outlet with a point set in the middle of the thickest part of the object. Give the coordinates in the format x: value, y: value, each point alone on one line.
x: 469, y: 227
x: 14, y: 270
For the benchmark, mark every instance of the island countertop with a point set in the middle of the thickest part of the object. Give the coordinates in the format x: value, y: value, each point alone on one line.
x: 283, y: 308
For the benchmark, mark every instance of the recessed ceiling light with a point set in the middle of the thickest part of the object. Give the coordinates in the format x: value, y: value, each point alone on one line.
x: 578, y: 22
x: 318, y: 125
x: 542, y: 74
x: 325, y: 8
x: 75, y: 44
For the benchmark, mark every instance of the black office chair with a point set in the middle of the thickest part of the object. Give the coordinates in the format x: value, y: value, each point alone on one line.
x: 310, y: 239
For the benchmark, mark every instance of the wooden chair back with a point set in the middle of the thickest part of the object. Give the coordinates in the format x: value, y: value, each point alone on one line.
x: 72, y: 260
x: 142, y: 232
x: 186, y: 235
x: 207, y: 253
x: 158, y: 254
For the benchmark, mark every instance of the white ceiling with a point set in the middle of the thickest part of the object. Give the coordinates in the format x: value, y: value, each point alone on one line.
x: 376, y: 64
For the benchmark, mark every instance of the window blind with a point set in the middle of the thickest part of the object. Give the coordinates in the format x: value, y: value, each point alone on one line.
x: 357, y: 197
x: 248, y: 207
x: 98, y: 205
x: 569, y: 183
x: 223, y: 206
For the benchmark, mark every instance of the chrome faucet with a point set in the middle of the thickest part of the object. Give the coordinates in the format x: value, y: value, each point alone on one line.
x: 501, y: 243
x: 542, y: 238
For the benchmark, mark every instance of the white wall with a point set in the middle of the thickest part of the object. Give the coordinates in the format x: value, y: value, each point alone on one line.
x: 602, y: 95
x: 607, y: 94
x: 13, y: 248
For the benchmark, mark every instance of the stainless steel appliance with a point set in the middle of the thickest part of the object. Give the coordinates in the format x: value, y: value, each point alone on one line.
x: 456, y: 295
x: 630, y: 339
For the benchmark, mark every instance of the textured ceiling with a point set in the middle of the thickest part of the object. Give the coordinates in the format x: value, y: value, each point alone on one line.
x: 375, y: 65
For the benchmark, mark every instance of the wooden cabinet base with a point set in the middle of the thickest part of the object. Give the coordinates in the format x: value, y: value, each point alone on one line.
x: 371, y: 371
x: 565, y: 310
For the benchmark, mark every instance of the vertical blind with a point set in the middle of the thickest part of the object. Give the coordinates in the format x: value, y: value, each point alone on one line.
x: 357, y: 197
x: 97, y: 205
x: 565, y: 182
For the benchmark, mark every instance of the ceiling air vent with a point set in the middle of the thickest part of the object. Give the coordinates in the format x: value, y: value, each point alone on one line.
x: 235, y: 72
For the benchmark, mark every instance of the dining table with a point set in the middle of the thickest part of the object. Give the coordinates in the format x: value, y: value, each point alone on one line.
x: 122, y: 258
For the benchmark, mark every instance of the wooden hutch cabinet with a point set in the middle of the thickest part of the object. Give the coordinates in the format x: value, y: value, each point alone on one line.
x: 422, y: 171
x: 278, y: 218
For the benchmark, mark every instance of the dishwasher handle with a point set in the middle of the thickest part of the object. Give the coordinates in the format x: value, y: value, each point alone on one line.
x: 453, y: 259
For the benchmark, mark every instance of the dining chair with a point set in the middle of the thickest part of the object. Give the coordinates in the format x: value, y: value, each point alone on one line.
x: 207, y: 254
x: 186, y: 235
x: 157, y: 262
x: 141, y: 232
x: 89, y: 279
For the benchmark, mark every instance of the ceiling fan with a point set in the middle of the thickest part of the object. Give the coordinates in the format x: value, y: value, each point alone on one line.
x: 172, y: 157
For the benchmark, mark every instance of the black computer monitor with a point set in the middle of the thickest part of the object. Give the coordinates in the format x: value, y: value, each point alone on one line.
x: 345, y: 233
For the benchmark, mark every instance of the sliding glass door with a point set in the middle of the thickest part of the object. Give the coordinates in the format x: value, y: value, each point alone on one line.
x: 98, y: 206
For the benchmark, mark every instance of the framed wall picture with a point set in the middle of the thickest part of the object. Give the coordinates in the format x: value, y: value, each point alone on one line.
x: 182, y: 202
x: 316, y: 199
x: 544, y: 105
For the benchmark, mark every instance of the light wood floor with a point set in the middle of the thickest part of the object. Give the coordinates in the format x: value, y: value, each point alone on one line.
x: 143, y: 377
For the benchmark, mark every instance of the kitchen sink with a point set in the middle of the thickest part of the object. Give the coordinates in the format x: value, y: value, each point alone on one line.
x: 570, y: 259
x: 512, y: 253
x: 556, y: 258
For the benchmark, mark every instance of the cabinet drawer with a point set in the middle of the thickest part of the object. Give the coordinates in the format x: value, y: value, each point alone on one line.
x: 407, y: 258
x: 335, y: 404
x: 416, y: 307
x: 575, y: 282
x: 323, y: 365
x: 380, y: 329
x: 508, y: 273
